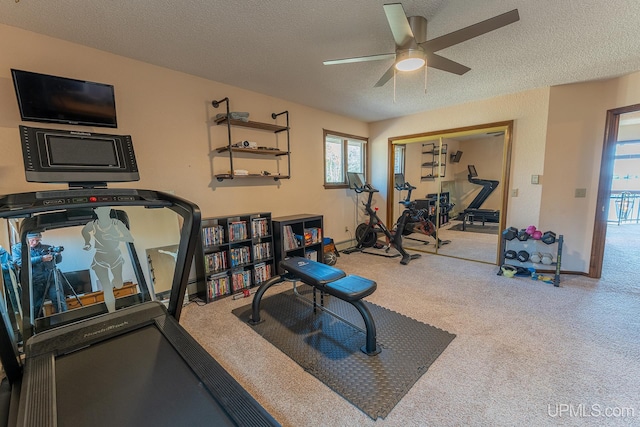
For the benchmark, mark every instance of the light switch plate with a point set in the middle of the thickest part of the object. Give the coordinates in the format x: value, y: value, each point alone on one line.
x: 581, y: 192
x: 535, y: 179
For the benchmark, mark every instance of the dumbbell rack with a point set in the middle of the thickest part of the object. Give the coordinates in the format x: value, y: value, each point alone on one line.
x: 530, y: 246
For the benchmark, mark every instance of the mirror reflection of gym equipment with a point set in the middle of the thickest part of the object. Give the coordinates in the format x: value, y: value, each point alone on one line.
x: 474, y: 212
x: 487, y: 148
x: 422, y: 213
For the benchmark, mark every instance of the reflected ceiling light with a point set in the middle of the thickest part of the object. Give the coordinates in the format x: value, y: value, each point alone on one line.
x: 410, y: 60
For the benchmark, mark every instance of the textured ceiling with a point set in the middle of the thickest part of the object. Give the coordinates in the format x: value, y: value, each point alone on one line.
x: 276, y: 47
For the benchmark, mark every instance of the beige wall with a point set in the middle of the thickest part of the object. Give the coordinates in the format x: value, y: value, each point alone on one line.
x: 166, y: 113
x: 557, y: 134
x: 575, y: 137
x: 528, y: 110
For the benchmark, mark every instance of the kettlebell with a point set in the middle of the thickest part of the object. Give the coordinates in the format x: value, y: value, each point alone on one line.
x: 508, y: 270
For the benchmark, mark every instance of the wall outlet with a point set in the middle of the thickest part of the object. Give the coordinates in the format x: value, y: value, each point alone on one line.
x: 514, y: 192
x: 581, y: 192
x: 535, y: 179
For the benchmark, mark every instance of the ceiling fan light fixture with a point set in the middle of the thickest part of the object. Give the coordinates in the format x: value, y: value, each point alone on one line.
x: 410, y: 60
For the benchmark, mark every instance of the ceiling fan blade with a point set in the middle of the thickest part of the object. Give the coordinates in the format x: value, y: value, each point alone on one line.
x: 444, y: 64
x: 398, y: 23
x: 385, y: 77
x: 471, y: 31
x: 361, y: 59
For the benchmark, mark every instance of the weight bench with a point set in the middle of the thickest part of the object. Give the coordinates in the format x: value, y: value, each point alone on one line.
x: 329, y: 280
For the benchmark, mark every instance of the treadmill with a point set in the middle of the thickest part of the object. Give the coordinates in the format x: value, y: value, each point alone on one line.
x: 473, y: 212
x: 91, y: 365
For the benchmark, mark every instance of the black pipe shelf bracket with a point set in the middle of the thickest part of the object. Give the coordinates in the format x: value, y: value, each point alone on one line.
x: 231, y: 148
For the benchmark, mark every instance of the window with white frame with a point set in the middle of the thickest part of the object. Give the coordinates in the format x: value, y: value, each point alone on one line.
x: 343, y: 153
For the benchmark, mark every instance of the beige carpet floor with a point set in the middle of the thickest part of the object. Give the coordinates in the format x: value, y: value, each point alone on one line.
x: 525, y: 353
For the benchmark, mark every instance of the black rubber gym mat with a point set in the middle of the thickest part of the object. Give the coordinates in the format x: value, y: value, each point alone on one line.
x: 329, y: 349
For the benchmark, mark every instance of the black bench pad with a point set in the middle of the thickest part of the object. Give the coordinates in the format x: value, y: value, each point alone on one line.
x: 312, y: 273
x: 351, y: 288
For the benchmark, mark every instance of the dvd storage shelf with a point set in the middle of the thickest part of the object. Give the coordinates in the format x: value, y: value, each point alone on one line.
x: 434, y: 161
x: 237, y: 253
x: 251, y: 149
x: 298, y: 235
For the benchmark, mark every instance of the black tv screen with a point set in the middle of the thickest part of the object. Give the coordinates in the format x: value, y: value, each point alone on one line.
x: 51, y: 99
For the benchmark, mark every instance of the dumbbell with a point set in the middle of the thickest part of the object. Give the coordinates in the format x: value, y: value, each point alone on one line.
x: 523, y: 256
x: 535, y: 257
x: 510, y: 254
x: 537, y: 235
x: 547, y: 258
x: 523, y: 235
x: 530, y: 230
x: 510, y: 233
x: 549, y: 237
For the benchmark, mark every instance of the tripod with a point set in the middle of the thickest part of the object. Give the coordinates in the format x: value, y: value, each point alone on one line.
x: 58, y: 280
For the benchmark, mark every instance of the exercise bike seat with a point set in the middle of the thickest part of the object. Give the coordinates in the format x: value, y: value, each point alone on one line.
x: 313, y: 273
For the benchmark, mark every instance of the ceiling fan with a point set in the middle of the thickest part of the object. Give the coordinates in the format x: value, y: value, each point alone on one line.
x: 413, y: 50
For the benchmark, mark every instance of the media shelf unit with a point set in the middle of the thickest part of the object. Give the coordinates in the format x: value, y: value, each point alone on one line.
x: 434, y: 161
x: 298, y: 235
x: 258, y: 152
x: 237, y: 253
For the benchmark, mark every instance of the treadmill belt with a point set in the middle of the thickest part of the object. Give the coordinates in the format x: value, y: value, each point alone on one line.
x: 135, y: 379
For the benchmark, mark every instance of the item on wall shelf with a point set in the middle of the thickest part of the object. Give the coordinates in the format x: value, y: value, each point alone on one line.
x: 234, y: 115
x: 246, y: 144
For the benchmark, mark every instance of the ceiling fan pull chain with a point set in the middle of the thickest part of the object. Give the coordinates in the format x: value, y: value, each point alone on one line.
x: 394, y: 85
x: 425, y: 79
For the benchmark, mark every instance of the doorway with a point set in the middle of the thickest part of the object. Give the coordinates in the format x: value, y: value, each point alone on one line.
x: 618, y: 195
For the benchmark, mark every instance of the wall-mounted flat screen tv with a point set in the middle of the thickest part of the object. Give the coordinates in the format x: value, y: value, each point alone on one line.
x: 51, y: 99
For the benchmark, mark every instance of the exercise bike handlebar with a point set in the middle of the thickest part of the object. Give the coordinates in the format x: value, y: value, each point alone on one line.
x: 367, y: 188
x: 406, y: 186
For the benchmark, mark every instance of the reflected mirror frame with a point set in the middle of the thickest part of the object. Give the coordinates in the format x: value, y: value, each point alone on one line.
x: 506, y: 127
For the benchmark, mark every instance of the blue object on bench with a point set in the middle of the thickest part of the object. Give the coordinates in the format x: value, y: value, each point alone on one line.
x: 328, y: 280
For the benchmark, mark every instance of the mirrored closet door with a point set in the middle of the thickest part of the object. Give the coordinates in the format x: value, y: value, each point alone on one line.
x: 455, y: 183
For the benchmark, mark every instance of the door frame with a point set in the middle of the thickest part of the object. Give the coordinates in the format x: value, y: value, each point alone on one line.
x: 604, y: 187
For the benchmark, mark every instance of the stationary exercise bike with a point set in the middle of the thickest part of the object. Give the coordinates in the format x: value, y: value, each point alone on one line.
x: 367, y: 232
x: 420, y: 219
